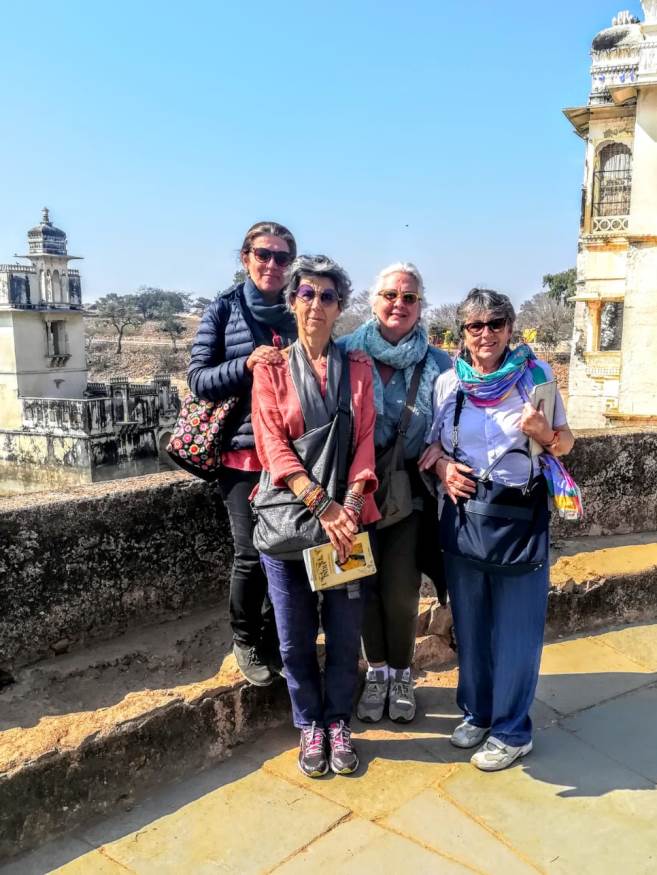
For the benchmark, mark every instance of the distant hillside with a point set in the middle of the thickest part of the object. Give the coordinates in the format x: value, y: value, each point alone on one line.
x: 146, y: 352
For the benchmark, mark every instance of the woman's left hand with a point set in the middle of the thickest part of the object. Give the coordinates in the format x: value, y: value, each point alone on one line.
x: 534, y: 424
x: 430, y: 456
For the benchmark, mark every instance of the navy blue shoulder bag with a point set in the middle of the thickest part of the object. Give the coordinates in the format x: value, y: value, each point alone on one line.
x: 500, y: 527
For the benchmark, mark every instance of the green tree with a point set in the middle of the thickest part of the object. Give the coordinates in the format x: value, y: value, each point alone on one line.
x: 561, y: 286
x: 171, y: 325
x: 240, y: 276
x: 154, y: 303
x: 120, y: 312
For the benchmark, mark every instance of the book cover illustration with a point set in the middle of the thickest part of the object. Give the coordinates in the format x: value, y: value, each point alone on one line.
x: 323, y: 568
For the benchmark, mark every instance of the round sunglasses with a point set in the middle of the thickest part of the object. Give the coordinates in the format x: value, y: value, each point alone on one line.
x: 264, y: 256
x: 327, y: 297
x: 407, y: 297
x: 476, y: 328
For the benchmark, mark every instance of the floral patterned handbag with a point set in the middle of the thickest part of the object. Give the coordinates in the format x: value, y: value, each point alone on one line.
x: 195, y: 442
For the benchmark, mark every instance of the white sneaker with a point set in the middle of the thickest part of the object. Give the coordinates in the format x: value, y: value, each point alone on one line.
x: 467, y: 734
x: 495, y: 755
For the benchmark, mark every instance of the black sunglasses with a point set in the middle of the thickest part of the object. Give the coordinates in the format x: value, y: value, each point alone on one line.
x: 476, y: 328
x: 264, y: 256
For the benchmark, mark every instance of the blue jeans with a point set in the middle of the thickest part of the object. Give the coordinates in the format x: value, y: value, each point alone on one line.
x: 297, y: 615
x: 499, y: 622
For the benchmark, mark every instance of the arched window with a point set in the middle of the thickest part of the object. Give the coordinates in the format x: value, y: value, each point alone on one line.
x: 612, y: 181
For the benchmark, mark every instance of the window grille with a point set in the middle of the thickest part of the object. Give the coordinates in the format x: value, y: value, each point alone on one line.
x: 612, y: 183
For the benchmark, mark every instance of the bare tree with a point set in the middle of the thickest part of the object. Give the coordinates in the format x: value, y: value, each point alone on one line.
x: 442, y: 323
x: 358, y: 312
x: 552, y: 319
x: 120, y: 312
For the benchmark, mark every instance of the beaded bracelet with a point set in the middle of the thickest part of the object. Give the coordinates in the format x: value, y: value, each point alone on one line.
x: 311, y: 493
x: 354, y: 501
x: 322, y: 506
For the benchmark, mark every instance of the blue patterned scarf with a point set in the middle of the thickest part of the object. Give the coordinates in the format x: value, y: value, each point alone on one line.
x: 403, y: 356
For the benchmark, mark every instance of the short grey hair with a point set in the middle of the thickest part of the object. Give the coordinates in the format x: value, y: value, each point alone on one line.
x: 479, y: 301
x: 406, y: 267
x: 318, y: 266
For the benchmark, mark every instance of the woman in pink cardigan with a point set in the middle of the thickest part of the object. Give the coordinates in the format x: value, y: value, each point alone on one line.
x: 317, y: 293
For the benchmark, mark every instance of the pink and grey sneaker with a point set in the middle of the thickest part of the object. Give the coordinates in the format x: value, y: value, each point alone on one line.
x: 312, y: 751
x: 344, y: 759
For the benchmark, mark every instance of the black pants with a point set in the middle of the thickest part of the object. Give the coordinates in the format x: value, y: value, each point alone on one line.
x: 251, y: 613
x: 392, y: 605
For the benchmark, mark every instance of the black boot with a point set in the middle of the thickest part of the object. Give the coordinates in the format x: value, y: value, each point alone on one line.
x: 252, y: 665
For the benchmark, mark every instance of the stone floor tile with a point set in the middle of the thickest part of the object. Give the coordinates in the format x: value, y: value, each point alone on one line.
x: 623, y: 729
x: 567, y: 808
x: 439, y: 824
x: 246, y: 827
x: 93, y: 863
x: 637, y: 642
x: 607, y: 674
x: 359, y: 847
x: 391, y: 773
x: 47, y: 858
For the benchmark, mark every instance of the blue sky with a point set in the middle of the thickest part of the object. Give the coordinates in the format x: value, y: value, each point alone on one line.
x: 377, y: 131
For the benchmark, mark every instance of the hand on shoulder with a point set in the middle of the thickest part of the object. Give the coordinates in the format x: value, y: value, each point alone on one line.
x: 357, y: 355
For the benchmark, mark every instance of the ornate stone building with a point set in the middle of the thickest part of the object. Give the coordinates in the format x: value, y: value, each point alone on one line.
x: 55, y: 428
x: 613, y: 366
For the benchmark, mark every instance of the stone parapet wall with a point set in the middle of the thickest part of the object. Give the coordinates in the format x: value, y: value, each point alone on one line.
x: 105, y: 558
x: 111, y: 556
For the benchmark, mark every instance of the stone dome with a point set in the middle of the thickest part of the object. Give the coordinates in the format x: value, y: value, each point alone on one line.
x: 46, y: 238
x: 619, y: 37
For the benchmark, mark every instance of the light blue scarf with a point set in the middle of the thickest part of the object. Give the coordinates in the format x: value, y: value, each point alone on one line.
x: 404, y: 356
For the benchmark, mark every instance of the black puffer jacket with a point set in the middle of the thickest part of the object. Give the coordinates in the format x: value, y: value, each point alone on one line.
x: 217, y: 368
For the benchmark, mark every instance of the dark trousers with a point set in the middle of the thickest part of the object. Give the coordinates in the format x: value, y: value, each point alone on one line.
x: 297, y: 612
x: 499, y: 622
x: 251, y: 613
x: 392, y: 604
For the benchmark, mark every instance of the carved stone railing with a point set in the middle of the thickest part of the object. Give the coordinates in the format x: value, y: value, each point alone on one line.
x: 603, y: 365
x: 610, y: 224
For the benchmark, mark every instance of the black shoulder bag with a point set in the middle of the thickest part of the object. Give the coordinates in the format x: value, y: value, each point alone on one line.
x: 284, y: 526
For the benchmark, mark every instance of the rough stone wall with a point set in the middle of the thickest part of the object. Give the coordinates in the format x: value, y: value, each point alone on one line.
x: 617, y: 473
x: 105, y: 558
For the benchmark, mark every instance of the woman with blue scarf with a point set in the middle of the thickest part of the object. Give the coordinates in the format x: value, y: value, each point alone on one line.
x: 397, y: 343
x: 494, y: 522
x: 246, y: 325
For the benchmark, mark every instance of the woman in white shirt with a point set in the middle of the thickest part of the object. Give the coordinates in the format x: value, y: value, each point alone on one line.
x: 494, y: 522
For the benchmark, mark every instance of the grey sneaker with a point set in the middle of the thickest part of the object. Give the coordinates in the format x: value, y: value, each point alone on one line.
x: 343, y: 759
x: 401, y: 699
x: 312, y: 751
x: 467, y: 734
x: 373, y: 698
x: 495, y: 755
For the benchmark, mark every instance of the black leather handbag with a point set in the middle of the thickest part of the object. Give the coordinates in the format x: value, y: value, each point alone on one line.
x: 499, y: 527
x: 284, y: 527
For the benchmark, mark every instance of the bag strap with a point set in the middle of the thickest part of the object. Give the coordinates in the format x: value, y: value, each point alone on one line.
x: 345, y: 427
x: 407, y: 412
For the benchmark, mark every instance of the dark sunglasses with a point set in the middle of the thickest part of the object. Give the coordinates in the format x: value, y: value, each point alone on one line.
x: 476, y: 328
x: 264, y: 256
x: 327, y: 297
x: 407, y: 297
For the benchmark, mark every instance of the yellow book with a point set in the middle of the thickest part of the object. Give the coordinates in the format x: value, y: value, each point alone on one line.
x: 323, y: 568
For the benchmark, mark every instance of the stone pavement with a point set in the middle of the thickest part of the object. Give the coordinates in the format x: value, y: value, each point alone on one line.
x: 584, y: 801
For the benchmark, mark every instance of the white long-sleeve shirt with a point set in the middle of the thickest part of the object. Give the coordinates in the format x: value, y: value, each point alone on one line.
x: 486, y: 433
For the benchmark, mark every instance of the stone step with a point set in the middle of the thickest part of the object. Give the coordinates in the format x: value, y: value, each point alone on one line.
x: 90, y: 732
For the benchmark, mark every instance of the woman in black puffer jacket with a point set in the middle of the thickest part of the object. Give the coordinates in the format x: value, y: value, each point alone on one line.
x: 247, y: 324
